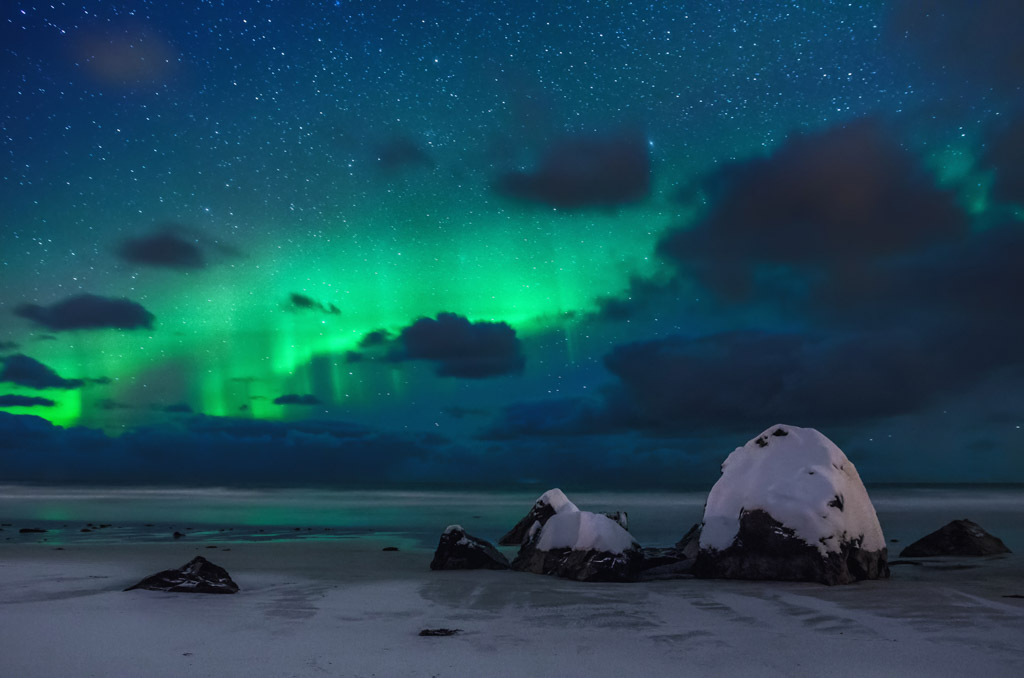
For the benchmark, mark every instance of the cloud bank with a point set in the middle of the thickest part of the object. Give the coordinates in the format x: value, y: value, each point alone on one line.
x: 88, y: 312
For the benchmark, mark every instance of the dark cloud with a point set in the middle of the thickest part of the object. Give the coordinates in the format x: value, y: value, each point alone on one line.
x: 99, y: 381
x: 8, y: 345
x: 458, y: 347
x: 402, y: 153
x: 973, y: 42
x: 25, y: 371
x: 556, y: 417
x: 300, y: 302
x: 947, y: 320
x: 229, y: 452
x: 825, y: 205
x: 296, y: 399
x: 177, y: 408
x: 86, y: 312
x: 585, y: 171
x: 247, y: 452
x: 745, y: 378
x: 163, y: 249
x: 641, y: 294
x: 375, y: 338
x: 25, y: 401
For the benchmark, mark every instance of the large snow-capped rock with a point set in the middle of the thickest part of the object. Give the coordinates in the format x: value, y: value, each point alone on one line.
x: 548, y: 504
x: 579, y: 545
x: 790, y: 506
x: 457, y: 550
x: 196, y: 576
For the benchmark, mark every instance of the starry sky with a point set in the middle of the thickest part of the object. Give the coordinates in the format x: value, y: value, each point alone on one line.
x: 600, y: 243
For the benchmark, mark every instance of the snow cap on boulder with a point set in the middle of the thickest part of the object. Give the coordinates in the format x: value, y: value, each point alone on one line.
x: 548, y: 504
x: 584, y: 531
x: 802, y: 480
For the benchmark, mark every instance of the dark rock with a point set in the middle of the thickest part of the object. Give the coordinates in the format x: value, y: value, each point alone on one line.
x: 765, y: 549
x: 591, y: 565
x: 439, y: 632
x: 689, y: 545
x: 958, y: 538
x: 85, y: 529
x: 390, y: 548
x: 673, y: 562
x: 457, y: 550
x: 31, y: 530
x: 539, y: 513
x: 196, y: 576
x: 178, y: 535
x: 664, y: 563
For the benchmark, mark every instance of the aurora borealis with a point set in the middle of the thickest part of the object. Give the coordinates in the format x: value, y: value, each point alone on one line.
x: 508, y: 241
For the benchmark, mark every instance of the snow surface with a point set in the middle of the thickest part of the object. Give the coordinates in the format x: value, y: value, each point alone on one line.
x: 793, y: 478
x: 584, y: 531
x: 62, y: 613
x: 557, y: 500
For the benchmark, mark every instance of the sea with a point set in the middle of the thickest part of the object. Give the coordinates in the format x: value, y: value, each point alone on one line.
x: 107, y: 515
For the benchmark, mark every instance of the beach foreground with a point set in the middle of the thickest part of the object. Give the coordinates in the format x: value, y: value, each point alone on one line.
x: 347, y: 608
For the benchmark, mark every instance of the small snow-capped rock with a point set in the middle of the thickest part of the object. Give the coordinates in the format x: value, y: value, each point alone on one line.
x: 548, y: 504
x: 790, y: 505
x: 958, y: 538
x: 457, y: 550
x: 196, y: 576
x: 581, y: 545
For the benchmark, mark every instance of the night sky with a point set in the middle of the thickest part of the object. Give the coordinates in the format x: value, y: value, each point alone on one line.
x: 578, y: 243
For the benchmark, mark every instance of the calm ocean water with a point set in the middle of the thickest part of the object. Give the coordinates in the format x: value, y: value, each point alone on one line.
x: 220, y: 515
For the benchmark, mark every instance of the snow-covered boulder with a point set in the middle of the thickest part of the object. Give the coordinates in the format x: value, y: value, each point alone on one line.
x: 457, y: 550
x: 548, y: 504
x: 790, y: 506
x: 958, y: 538
x: 196, y: 576
x: 580, y: 545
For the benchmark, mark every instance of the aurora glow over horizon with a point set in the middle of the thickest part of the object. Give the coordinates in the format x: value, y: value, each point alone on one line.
x: 274, y: 181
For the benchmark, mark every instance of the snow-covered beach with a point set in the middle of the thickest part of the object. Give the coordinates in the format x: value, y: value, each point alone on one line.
x: 347, y: 608
x: 321, y: 604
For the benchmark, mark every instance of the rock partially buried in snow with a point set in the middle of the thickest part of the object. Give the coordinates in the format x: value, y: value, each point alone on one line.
x: 958, y: 538
x: 196, y: 576
x: 790, y: 506
x: 580, y: 545
x: 459, y: 551
x: 548, y: 504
